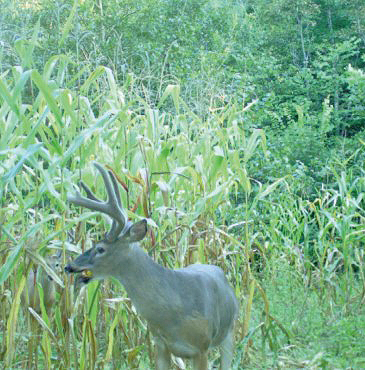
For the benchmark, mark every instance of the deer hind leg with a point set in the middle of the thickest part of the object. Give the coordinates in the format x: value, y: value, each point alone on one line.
x: 200, y: 362
x: 226, y: 351
x: 163, y: 356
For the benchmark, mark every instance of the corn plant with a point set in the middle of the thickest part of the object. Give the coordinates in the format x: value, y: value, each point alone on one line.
x: 184, y: 172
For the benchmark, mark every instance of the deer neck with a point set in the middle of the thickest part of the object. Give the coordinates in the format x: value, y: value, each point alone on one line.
x: 149, y: 285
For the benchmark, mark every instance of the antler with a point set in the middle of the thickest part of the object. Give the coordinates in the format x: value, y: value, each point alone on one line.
x: 112, y: 207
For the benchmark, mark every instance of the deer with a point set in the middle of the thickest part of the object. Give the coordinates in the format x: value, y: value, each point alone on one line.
x: 30, y: 299
x: 37, y: 275
x: 188, y: 310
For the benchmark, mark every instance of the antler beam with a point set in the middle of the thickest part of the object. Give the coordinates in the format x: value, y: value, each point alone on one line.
x: 112, y: 207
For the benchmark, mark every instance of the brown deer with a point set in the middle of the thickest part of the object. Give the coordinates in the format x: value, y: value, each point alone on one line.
x: 37, y: 275
x: 30, y: 298
x: 188, y: 310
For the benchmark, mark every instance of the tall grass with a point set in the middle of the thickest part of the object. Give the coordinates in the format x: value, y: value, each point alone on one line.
x: 186, y: 174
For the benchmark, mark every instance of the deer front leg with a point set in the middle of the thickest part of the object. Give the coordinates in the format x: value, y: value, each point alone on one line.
x: 200, y: 362
x: 163, y: 356
x: 226, y: 351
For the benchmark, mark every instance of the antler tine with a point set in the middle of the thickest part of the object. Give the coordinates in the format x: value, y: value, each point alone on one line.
x: 112, y: 207
x: 116, y: 188
x: 117, y: 227
x: 88, y: 192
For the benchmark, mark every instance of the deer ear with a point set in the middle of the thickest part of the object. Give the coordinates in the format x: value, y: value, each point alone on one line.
x: 138, y: 231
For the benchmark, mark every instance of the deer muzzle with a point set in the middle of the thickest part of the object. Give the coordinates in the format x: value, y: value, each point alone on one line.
x: 85, y: 274
x: 71, y: 269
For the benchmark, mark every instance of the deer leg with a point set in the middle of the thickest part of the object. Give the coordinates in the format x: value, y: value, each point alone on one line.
x: 200, y: 362
x: 226, y: 351
x: 163, y: 356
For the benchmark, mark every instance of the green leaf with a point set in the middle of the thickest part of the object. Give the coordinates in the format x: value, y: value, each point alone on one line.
x: 8, y: 266
x: 25, y: 48
x: 34, y: 148
x: 216, y: 164
x: 6, y: 95
x: 174, y: 92
x: 69, y: 23
x: 102, y: 122
x: 44, y: 87
x: 13, y: 257
x: 270, y: 188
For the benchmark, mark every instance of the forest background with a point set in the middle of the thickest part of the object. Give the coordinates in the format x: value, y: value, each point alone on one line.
x: 236, y: 127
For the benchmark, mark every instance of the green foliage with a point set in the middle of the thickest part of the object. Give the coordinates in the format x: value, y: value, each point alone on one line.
x: 174, y: 97
x: 356, y: 98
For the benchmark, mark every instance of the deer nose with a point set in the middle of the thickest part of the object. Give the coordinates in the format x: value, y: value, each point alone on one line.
x: 69, y: 268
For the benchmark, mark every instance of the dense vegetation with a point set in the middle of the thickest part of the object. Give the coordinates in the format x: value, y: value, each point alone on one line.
x: 237, y: 128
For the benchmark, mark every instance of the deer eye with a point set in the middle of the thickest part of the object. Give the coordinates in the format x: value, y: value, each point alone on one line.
x: 100, y: 250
